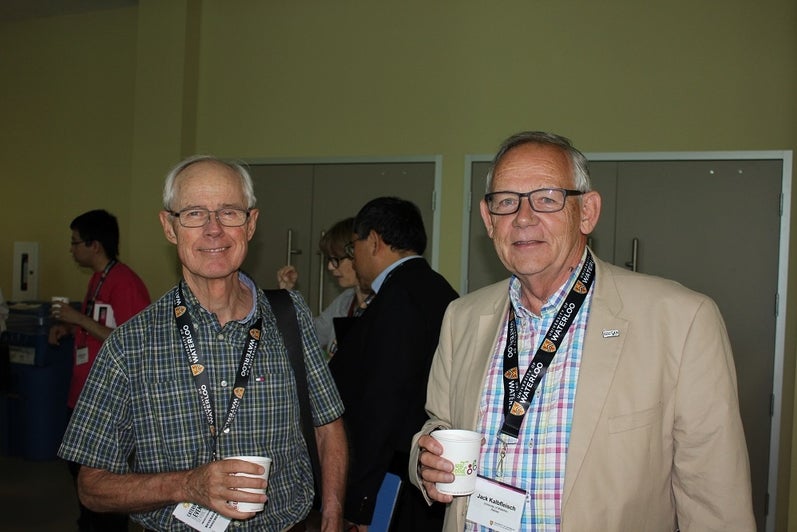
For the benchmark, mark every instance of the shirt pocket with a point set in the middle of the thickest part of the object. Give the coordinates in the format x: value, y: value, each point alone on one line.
x: 180, y: 431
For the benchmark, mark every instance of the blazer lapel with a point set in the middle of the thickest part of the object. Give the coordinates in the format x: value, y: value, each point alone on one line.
x: 603, y: 344
x: 481, y: 346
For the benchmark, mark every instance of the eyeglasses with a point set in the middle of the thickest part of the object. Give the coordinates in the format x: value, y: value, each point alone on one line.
x: 348, y: 248
x: 335, y: 261
x: 540, y: 200
x: 195, y: 217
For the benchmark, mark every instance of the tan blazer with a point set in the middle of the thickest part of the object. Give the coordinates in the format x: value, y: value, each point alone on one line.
x: 656, y: 441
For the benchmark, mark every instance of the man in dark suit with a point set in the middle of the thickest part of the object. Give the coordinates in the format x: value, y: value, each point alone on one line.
x: 383, y: 359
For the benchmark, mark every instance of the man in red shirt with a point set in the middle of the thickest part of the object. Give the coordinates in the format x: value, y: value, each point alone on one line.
x: 115, y: 294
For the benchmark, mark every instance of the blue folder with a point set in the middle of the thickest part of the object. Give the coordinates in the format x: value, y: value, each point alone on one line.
x: 385, y: 503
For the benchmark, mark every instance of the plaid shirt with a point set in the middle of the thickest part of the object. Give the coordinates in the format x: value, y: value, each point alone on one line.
x: 140, y: 405
x: 536, y: 463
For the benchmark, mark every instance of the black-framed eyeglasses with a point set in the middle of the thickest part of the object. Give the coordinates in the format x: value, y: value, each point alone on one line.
x: 541, y: 200
x: 348, y: 248
x: 335, y: 261
x: 196, y: 217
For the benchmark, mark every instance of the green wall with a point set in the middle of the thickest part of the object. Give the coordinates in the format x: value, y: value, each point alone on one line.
x: 97, y: 106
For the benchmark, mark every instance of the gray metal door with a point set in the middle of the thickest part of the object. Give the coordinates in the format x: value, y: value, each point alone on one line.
x: 299, y: 201
x: 714, y: 226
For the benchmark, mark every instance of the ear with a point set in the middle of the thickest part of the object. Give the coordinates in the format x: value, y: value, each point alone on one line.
x: 251, y: 223
x: 374, y: 242
x: 590, y: 211
x: 167, y: 221
x: 487, y: 218
x: 95, y: 246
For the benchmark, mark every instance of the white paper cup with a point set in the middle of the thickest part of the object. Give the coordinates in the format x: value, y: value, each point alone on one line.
x: 263, y: 461
x: 57, y: 303
x: 461, y: 447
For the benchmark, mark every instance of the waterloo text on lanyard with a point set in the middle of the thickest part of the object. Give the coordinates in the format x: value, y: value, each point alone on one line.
x: 518, y: 395
x: 201, y: 379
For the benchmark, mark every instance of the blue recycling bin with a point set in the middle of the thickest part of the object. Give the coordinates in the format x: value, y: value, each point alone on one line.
x: 33, y: 413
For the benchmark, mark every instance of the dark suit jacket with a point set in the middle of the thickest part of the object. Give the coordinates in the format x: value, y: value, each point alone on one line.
x: 381, y: 369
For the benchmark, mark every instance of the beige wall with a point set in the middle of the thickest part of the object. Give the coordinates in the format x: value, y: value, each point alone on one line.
x: 96, y: 107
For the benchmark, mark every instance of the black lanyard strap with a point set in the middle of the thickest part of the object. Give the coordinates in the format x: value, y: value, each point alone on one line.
x: 518, y: 394
x: 197, y: 364
x: 91, y: 301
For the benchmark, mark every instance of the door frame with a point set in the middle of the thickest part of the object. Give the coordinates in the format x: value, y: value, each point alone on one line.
x: 785, y: 156
x: 437, y: 192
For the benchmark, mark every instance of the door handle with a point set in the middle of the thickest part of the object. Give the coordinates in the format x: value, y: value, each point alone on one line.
x: 634, y: 253
x: 321, y: 266
x: 290, y: 251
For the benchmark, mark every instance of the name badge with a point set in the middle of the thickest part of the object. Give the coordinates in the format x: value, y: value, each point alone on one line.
x: 200, y: 518
x: 496, y: 505
x: 81, y: 355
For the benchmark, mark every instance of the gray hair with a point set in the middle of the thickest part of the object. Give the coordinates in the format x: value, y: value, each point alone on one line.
x: 246, y: 179
x: 578, y: 162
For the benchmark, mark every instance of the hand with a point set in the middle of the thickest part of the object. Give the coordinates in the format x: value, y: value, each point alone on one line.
x: 287, y: 277
x: 213, y: 485
x: 57, y: 331
x: 434, y: 468
x: 332, y: 523
x: 65, y: 312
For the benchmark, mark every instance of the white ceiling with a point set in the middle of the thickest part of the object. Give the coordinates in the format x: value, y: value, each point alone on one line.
x: 13, y: 10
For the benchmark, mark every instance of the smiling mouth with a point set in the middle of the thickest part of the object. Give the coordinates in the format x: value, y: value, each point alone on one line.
x: 215, y: 250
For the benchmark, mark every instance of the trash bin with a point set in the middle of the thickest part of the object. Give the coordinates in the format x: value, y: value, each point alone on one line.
x: 34, y: 413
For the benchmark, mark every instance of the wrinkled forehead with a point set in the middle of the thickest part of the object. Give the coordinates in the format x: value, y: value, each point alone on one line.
x: 532, y: 166
x: 209, y: 184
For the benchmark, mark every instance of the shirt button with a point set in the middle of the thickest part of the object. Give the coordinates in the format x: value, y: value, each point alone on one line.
x: 223, y: 383
x: 220, y: 337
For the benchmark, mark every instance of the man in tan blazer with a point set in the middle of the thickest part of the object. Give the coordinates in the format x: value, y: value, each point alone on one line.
x: 634, y: 425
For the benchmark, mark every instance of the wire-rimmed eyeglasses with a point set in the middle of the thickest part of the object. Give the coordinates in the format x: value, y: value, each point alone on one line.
x: 196, y: 217
x: 541, y: 200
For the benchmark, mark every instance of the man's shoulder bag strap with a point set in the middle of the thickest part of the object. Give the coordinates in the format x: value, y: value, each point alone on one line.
x: 285, y: 312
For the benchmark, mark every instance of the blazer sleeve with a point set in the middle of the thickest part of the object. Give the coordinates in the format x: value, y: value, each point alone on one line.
x: 711, y: 472
x: 437, y: 398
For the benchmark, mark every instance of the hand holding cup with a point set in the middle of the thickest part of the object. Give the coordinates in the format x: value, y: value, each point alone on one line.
x: 449, y: 463
x: 265, y: 463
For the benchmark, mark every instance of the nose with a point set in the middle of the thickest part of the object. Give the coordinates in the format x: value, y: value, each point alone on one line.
x: 213, y: 224
x: 525, y: 214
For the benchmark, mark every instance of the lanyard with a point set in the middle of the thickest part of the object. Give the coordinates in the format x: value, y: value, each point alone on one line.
x: 196, y: 362
x: 518, y: 394
x: 90, y: 302
x: 81, y: 334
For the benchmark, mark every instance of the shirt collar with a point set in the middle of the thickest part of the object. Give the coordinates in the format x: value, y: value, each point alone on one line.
x: 382, y: 277
x: 249, y: 283
x: 553, y: 303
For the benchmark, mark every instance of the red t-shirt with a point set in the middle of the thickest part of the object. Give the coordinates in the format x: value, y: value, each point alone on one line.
x: 122, y: 296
